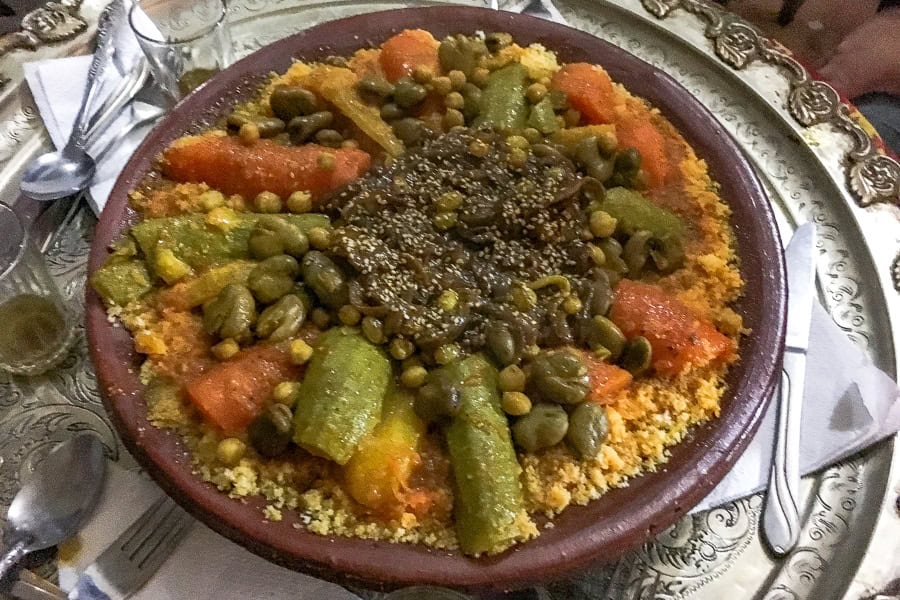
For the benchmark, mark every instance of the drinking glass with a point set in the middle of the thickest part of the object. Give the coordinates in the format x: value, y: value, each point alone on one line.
x: 185, y: 41
x: 36, y: 329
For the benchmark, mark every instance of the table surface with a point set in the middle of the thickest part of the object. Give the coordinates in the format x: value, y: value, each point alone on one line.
x: 877, y: 568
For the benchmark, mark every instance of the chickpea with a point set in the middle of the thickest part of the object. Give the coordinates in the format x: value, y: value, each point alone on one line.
x: 602, y: 224
x: 300, y: 352
x: 536, y: 92
x: 413, y: 377
x: 478, y: 148
x: 448, y: 300
x: 230, y: 451
x: 480, y: 76
x: 422, y: 74
x: 511, y: 379
x: 442, y: 85
x: 457, y: 79
x: 401, y: 348
x: 319, y: 238
x: 225, y: 349
x: 249, y: 134
x: 454, y: 100
x: 286, y: 392
x: 299, y: 202
x: 453, y: 118
x: 326, y: 161
x: 515, y: 403
x: 267, y: 202
x: 349, y: 315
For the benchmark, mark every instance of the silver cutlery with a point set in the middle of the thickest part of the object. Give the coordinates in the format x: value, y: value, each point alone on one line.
x: 31, y: 587
x: 129, y: 562
x: 56, y: 500
x: 55, y: 175
x: 781, y: 514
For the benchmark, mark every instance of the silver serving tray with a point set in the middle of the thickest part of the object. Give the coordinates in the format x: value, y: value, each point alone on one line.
x: 817, y: 164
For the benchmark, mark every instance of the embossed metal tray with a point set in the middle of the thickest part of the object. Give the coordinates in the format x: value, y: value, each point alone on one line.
x: 816, y: 161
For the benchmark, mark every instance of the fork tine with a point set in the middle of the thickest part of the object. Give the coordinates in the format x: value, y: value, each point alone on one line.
x: 144, y: 526
x: 152, y: 539
x: 164, y: 548
x: 654, y: 586
x: 138, y: 524
x: 618, y: 581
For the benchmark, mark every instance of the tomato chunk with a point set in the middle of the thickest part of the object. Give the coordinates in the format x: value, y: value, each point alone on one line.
x: 589, y: 91
x: 232, y: 393
x: 633, y: 132
x: 402, y: 53
x: 679, y: 338
x: 607, y: 380
x: 224, y: 163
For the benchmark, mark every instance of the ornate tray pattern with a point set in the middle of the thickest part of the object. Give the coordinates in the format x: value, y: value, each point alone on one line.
x: 835, y: 176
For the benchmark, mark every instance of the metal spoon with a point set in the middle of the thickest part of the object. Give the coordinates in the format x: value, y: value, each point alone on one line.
x: 56, y: 500
x: 55, y: 175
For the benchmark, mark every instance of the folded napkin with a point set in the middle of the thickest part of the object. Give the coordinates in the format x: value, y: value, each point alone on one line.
x: 58, y: 85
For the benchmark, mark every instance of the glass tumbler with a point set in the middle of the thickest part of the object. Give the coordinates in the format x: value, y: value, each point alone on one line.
x: 185, y: 41
x: 36, y: 329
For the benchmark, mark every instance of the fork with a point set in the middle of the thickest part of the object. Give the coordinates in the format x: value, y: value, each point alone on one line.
x: 129, y: 562
x: 626, y: 581
x: 538, y: 8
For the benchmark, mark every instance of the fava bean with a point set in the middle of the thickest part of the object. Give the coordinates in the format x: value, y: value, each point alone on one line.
x: 273, y: 278
x: 270, y: 432
x: 291, y: 101
x: 543, y: 427
x: 304, y: 127
x: 560, y: 376
x: 231, y: 314
x: 588, y: 429
x: 325, y: 279
x: 636, y: 356
x: 281, y: 320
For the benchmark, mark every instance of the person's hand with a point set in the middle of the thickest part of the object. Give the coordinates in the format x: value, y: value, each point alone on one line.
x: 868, y: 59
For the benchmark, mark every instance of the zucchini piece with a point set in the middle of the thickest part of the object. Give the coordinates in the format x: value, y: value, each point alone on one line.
x: 340, y: 399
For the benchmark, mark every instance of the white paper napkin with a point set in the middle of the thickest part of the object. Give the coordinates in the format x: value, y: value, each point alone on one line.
x: 58, y: 87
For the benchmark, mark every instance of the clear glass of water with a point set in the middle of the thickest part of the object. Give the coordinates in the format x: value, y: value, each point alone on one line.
x: 185, y: 41
x: 36, y: 329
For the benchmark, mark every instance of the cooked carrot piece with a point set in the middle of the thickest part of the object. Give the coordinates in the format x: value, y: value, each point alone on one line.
x: 224, y: 163
x: 607, y: 380
x: 589, y: 91
x: 647, y: 139
x: 679, y: 338
x: 232, y: 393
x: 401, y: 54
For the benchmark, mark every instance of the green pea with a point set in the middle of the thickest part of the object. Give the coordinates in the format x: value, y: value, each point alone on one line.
x: 543, y: 427
x: 636, y: 356
x: 471, y: 94
x: 408, y: 93
x: 281, y: 320
x: 325, y: 279
x: 304, y: 127
x: 270, y: 432
x: 588, y: 429
x: 231, y: 314
x: 273, y: 278
x: 291, y: 101
x: 273, y: 235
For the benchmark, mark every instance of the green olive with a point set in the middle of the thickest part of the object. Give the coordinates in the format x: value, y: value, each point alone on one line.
x: 501, y: 342
x: 325, y: 279
x: 273, y: 235
x: 269, y: 127
x: 636, y: 356
x: 392, y: 112
x: 273, y: 278
x: 636, y: 252
x: 471, y: 94
x: 587, y: 155
x: 329, y: 137
x: 604, y: 332
x: 281, y: 320
x: 231, y: 314
x: 588, y: 429
x: 612, y: 250
x: 412, y: 132
x: 375, y: 86
x: 560, y: 376
x: 291, y: 101
x: 303, y: 128
x: 408, y: 93
x: 461, y: 53
x: 628, y: 160
x: 496, y: 41
x: 437, y: 399
x: 270, y: 432
x: 667, y: 253
x: 545, y: 426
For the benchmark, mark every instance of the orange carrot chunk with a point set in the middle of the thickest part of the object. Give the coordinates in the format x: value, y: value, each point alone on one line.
x: 409, y: 49
x: 589, y: 91
x: 224, y: 163
x: 647, y: 139
x: 607, y: 380
x: 678, y: 337
x: 231, y: 394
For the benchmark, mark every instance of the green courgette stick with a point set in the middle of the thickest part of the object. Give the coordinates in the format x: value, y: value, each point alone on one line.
x: 340, y: 398
x: 503, y: 104
x: 542, y: 117
x: 200, y: 244
x: 488, y: 498
x: 634, y: 212
x: 119, y: 282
